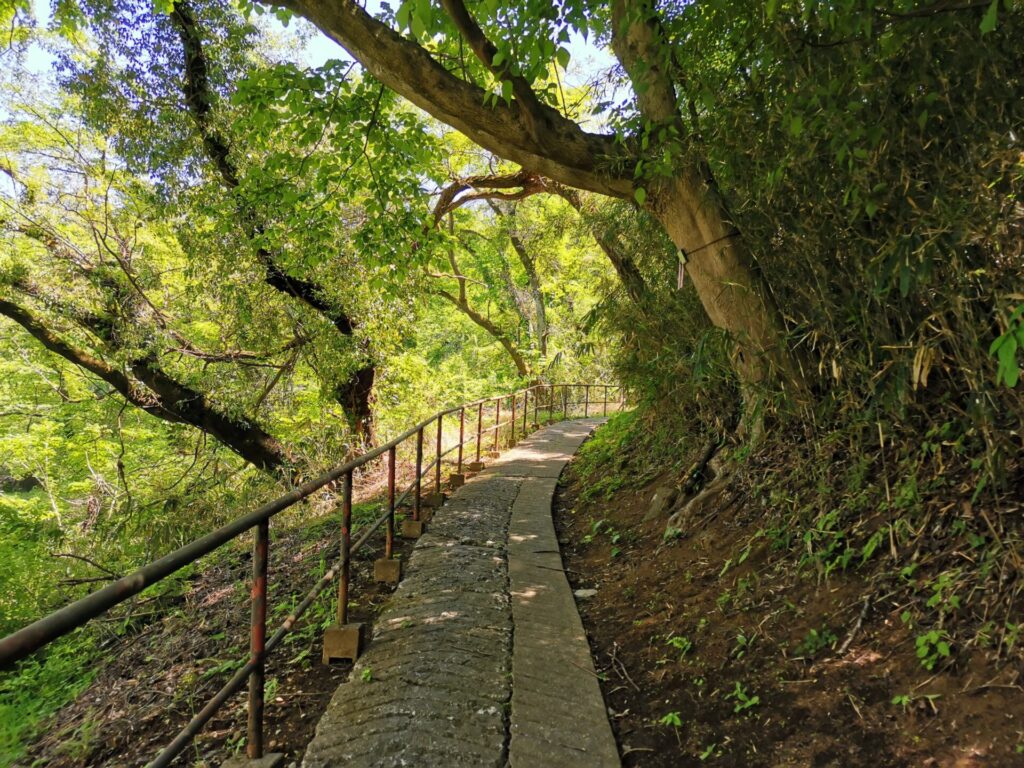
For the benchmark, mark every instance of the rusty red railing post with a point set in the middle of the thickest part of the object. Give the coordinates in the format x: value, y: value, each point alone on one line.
x: 526, y: 405
x: 479, y: 428
x: 586, y: 401
x: 437, y: 468
x: 389, y: 542
x: 258, y: 639
x: 565, y: 401
x: 512, y: 439
x: 419, y: 472
x: 462, y: 436
x: 551, y: 404
x: 497, y: 422
x: 346, y: 547
x: 605, y: 400
x: 536, y: 400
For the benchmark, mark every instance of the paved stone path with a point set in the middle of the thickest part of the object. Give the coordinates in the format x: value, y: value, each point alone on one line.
x: 479, y: 658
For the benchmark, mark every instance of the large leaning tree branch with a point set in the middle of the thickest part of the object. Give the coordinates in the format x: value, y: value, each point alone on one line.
x: 718, y: 260
x: 355, y: 394
x: 160, y: 395
x: 531, y: 108
x: 526, y: 132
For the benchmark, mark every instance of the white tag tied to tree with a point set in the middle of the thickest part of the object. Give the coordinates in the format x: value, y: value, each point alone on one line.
x: 681, y: 274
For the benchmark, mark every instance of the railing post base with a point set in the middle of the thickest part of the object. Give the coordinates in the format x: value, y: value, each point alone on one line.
x: 343, y: 643
x: 494, y: 454
x: 412, y: 529
x: 434, y: 500
x: 456, y: 480
x: 476, y: 466
x: 387, y: 571
x: 270, y: 760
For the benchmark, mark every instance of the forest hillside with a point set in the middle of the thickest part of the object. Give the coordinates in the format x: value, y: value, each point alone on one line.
x: 244, y: 243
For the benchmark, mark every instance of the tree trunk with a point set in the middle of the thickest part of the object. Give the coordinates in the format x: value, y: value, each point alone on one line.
x: 731, y: 291
x: 540, y: 320
x: 355, y: 395
x: 540, y: 139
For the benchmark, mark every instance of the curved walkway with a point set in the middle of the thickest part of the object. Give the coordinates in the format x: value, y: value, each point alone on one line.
x: 479, y: 658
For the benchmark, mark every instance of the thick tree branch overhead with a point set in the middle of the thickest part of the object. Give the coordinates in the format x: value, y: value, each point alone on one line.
x: 535, y: 114
x: 562, y: 150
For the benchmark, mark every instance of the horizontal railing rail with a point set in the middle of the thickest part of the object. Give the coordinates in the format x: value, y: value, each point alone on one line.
x: 545, y: 398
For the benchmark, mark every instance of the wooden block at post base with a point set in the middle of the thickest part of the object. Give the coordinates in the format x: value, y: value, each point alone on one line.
x: 476, y: 466
x: 494, y: 454
x: 456, y: 480
x: 270, y: 760
x: 387, y: 571
x: 343, y: 643
x: 432, y: 501
x: 412, y: 529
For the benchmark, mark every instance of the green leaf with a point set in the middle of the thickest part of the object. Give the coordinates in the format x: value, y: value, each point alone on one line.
x: 640, y: 194
x: 419, y: 30
x: 988, y: 21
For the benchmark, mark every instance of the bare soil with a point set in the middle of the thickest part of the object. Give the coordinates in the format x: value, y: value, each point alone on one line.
x: 682, y: 627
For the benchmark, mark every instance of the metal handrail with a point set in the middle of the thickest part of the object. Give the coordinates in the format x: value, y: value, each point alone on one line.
x: 31, y: 638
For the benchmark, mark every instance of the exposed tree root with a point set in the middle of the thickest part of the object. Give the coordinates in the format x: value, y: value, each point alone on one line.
x: 698, y: 504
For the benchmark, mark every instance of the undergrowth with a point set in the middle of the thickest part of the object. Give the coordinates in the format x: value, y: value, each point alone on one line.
x: 914, y: 521
x: 38, y: 687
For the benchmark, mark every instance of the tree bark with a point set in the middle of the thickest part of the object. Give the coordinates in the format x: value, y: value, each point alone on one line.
x: 534, y: 135
x: 693, y: 213
x: 731, y: 291
x: 162, y: 396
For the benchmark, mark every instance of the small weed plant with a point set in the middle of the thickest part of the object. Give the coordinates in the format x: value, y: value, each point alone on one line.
x: 743, y: 700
